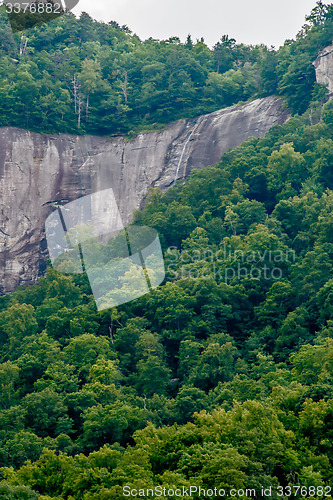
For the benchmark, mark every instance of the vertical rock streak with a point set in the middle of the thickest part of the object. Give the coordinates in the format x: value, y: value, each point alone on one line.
x: 39, y: 172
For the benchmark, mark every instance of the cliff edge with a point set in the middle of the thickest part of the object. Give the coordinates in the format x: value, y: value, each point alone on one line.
x: 324, y: 68
x: 37, y: 172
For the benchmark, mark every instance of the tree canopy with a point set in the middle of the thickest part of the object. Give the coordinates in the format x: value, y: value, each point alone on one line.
x: 222, y: 376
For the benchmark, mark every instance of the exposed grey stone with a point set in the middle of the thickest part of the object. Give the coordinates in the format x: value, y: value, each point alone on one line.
x: 37, y: 172
x: 324, y: 68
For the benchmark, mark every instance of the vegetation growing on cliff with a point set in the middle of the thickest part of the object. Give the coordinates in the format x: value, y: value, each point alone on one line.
x: 213, y: 379
x: 105, y: 80
x: 221, y: 377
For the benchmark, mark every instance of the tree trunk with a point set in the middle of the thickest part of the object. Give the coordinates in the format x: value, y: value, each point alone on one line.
x: 87, y: 107
x: 125, y: 81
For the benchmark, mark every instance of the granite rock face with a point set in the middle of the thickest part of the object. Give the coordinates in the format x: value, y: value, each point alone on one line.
x: 324, y: 68
x: 37, y: 172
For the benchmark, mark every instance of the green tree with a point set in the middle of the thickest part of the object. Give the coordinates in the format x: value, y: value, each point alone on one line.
x: 16, y: 323
x: 153, y: 376
x: 285, y: 166
x: 9, y: 374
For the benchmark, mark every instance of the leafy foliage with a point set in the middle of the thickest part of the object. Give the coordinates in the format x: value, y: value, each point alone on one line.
x: 105, y: 80
x: 222, y: 375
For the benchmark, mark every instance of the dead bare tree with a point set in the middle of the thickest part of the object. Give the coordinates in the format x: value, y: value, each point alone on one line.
x: 78, y: 98
x: 23, y: 44
x: 124, y: 85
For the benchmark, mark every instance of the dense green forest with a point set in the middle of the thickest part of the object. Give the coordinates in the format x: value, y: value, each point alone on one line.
x: 221, y: 377
x: 105, y: 80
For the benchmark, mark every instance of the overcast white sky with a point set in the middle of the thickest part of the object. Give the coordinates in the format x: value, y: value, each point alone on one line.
x: 249, y: 21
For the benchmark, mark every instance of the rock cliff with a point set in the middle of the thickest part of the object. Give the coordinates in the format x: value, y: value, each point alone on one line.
x: 324, y: 68
x: 39, y: 171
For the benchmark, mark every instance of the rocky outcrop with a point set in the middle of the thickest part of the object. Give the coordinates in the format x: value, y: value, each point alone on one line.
x: 324, y: 68
x: 37, y: 172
